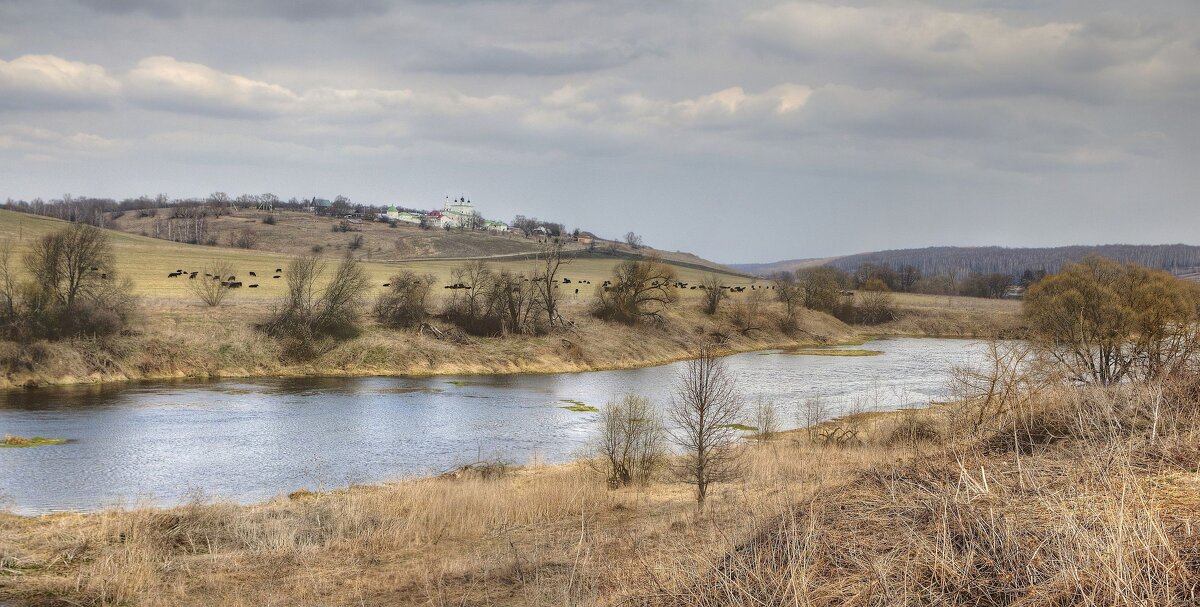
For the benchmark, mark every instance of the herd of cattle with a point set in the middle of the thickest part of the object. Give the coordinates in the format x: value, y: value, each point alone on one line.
x: 232, y: 282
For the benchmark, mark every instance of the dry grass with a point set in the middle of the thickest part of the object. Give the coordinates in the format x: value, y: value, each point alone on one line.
x: 953, y: 316
x: 1079, y: 520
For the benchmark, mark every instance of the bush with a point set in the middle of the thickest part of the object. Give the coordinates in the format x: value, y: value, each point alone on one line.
x: 1107, y: 321
x: 72, y: 290
x: 490, y: 303
x: 631, y: 445
x: 269, y: 220
x: 309, y: 315
x: 212, y: 290
x: 357, y: 242
x: 405, y: 303
x: 243, y: 239
x: 639, y: 290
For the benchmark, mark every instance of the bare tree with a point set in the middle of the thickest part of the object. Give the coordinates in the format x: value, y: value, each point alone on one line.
x: 713, y: 293
x: 406, y: 302
x: 747, y: 313
x: 212, y: 290
x: 633, y: 240
x: 308, y: 312
x: 550, y: 258
x: 703, y: 414
x: 766, y: 419
x: 788, y: 291
x: 71, y: 264
x: 630, y: 444
x: 813, y: 411
x: 639, y: 289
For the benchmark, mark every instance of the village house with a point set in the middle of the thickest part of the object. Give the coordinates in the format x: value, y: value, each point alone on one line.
x: 585, y: 238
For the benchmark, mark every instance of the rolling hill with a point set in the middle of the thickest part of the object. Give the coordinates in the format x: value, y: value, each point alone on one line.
x: 1179, y: 259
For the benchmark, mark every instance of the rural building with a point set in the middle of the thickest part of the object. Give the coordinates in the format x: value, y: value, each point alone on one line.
x: 585, y: 238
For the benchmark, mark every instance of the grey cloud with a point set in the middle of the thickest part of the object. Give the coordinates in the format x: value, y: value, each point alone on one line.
x: 467, y: 57
x: 299, y: 10
x: 957, y: 120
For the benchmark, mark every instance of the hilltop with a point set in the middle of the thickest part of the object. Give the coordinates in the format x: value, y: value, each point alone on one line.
x: 176, y: 336
x: 300, y: 233
x: 1179, y: 259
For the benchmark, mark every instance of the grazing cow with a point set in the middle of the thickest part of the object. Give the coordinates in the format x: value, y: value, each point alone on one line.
x: 566, y: 281
x: 193, y: 276
x: 253, y: 274
x: 276, y: 276
x: 104, y: 275
x: 387, y: 284
x: 254, y: 286
x: 577, y: 291
x: 235, y: 284
x: 278, y: 270
x: 173, y: 274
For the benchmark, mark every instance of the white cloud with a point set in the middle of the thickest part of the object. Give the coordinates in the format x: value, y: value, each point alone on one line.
x: 165, y: 83
x: 50, y: 82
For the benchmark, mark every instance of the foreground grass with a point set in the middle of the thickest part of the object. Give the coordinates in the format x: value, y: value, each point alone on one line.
x: 1050, y: 509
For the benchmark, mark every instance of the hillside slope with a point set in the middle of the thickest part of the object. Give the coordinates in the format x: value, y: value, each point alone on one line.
x: 960, y: 261
x: 299, y: 233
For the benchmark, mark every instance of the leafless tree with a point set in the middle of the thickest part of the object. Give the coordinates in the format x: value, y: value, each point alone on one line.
x: 550, y: 259
x: 748, y: 312
x: 641, y: 289
x: 812, y: 411
x: 766, y: 419
x: 309, y: 313
x: 703, y: 414
x: 633, y: 240
x: 631, y: 442
x: 243, y: 239
x: 713, y: 293
x: 212, y: 290
x: 788, y: 291
x: 406, y: 302
x: 71, y: 263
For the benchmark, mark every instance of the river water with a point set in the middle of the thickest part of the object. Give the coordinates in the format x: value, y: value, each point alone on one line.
x: 164, y: 443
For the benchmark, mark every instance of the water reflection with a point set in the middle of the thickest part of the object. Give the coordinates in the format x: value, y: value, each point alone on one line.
x: 252, y: 439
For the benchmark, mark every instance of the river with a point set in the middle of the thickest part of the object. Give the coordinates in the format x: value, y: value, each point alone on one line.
x: 164, y: 443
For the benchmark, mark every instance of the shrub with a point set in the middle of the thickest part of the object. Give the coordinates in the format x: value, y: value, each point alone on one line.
x: 491, y: 303
x: 639, y: 290
x: 212, y: 290
x: 405, y: 303
x: 357, y: 242
x: 72, y: 291
x: 308, y: 315
x: 243, y: 239
x: 631, y: 444
x: 1106, y: 321
x: 269, y: 220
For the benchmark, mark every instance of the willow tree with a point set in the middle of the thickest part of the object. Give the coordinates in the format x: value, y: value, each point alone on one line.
x: 1108, y: 321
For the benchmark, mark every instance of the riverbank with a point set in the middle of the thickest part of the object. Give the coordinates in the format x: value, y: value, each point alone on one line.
x: 916, y: 503
x: 178, y: 341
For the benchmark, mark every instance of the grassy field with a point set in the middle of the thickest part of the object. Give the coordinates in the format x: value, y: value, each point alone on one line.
x: 919, y: 509
x: 148, y: 261
x: 175, y: 336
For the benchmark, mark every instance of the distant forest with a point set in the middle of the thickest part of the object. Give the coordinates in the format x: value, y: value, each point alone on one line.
x: 959, y: 262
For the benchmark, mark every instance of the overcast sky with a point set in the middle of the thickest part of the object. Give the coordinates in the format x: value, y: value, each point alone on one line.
x: 741, y: 131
